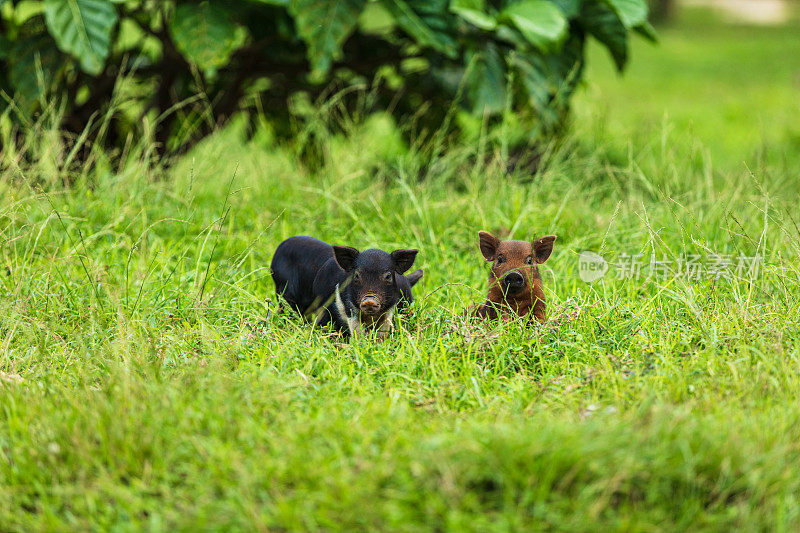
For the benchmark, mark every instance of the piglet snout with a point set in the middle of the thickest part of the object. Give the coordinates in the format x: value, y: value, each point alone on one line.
x: 513, y: 281
x: 369, y: 305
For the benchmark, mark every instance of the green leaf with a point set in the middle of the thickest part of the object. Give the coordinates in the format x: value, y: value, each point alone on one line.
x: 324, y: 25
x: 550, y: 80
x: 511, y: 35
x: 427, y: 31
x: 647, y: 31
x: 605, y: 26
x: 474, y: 12
x: 571, y: 8
x: 541, y: 22
x: 486, y: 81
x: 205, y: 34
x: 82, y: 28
x: 26, y: 10
x: 631, y: 12
x: 33, y: 66
x: 375, y: 19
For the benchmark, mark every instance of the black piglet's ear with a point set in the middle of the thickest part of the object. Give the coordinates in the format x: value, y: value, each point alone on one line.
x: 403, y: 259
x: 345, y: 256
x: 543, y: 247
x: 488, y: 244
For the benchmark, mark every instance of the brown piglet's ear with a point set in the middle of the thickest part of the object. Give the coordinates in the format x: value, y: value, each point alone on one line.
x: 543, y: 247
x: 345, y: 256
x: 488, y: 244
x: 403, y: 259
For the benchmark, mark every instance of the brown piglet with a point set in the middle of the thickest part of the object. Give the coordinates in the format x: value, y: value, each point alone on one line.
x: 515, y: 286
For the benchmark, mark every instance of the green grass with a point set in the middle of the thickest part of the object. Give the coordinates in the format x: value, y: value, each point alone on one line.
x: 136, y: 394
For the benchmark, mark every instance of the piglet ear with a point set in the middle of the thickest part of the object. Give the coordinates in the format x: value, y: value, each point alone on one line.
x: 403, y: 259
x: 345, y: 256
x: 543, y: 247
x: 488, y: 244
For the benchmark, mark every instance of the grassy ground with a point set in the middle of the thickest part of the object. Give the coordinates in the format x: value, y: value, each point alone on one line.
x: 134, y: 393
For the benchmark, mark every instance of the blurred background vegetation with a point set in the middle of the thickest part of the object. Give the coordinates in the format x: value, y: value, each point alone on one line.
x: 723, y: 83
x: 174, y: 71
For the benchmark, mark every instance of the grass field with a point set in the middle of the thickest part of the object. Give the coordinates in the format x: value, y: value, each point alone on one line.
x: 135, y: 393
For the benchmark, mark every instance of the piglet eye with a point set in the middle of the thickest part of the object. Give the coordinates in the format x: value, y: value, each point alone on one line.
x: 356, y: 277
x: 529, y: 260
x: 387, y: 277
x: 501, y: 259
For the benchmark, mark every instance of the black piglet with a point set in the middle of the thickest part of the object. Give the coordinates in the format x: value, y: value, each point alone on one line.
x: 357, y: 291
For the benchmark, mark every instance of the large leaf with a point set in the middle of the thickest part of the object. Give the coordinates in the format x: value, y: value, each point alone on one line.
x: 375, y: 19
x: 205, y: 34
x: 647, y: 31
x: 34, y: 64
x: 82, y: 28
x: 486, y: 81
x: 569, y: 7
x: 632, y: 13
x: 26, y: 10
x: 436, y: 14
x: 549, y: 80
x: 474, y: 12
x: 324, y: 25
x: 541, y: 22
x: 605, y: 26
x: 426, y: 24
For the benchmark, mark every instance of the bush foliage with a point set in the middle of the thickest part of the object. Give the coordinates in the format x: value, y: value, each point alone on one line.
x: 183, y: 68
